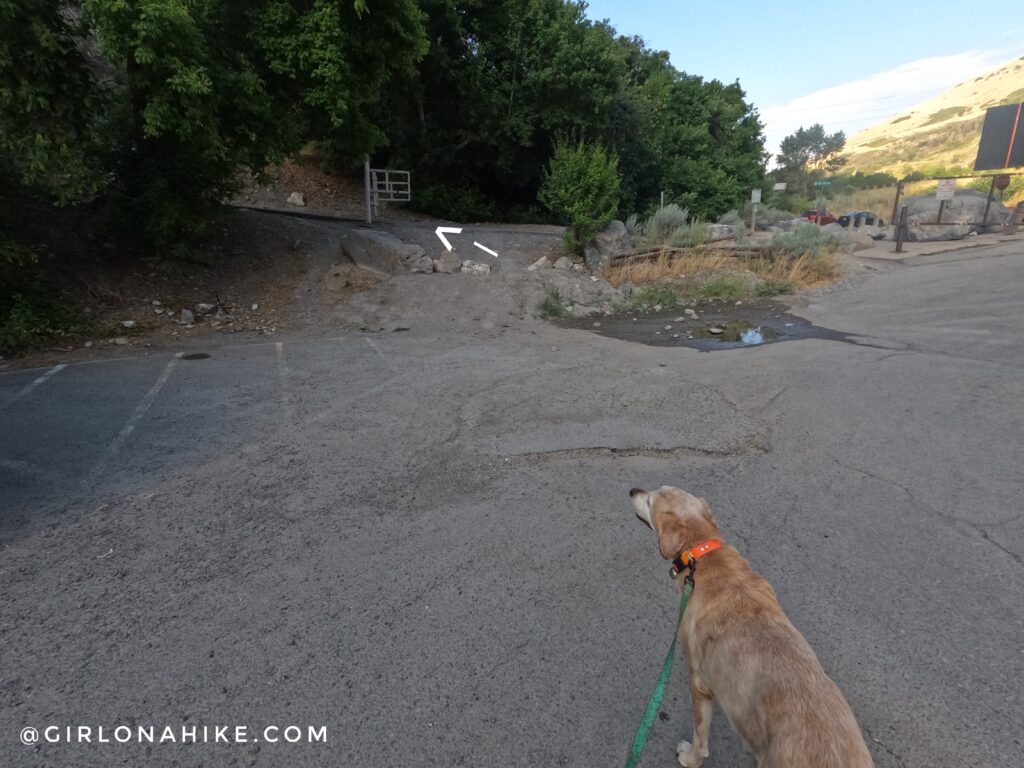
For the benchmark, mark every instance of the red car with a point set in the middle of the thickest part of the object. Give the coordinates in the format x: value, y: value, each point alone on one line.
x: 812, y: 216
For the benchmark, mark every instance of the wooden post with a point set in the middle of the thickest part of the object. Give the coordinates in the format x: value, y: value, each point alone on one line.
x: 896, y: 205
x: 991, y: 194
x: 366, y: 183
x: 942, y: 206
x: 901, y: 229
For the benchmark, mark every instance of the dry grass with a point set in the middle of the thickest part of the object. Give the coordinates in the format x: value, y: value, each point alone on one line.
x: 806, y: 271
x: 667, y: 267
x: 878, y: 201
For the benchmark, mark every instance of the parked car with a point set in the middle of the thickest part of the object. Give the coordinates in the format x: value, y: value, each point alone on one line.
x: 826, y: 217
x: 866, y: 217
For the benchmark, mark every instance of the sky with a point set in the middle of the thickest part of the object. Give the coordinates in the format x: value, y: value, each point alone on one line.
x: 844, y: 66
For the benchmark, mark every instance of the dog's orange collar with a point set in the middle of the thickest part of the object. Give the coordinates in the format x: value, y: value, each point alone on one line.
x: 687, y: 558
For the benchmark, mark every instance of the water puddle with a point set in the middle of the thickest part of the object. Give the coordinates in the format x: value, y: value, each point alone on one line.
x: 711, y: 325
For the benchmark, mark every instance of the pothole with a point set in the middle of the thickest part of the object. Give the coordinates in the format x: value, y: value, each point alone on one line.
x: 714, y: 325
x: 195, y: 356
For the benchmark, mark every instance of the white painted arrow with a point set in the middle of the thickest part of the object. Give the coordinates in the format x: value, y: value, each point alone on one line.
x: 440, y: 232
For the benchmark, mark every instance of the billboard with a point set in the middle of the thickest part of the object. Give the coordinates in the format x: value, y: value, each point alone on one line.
x: 1002, y: 139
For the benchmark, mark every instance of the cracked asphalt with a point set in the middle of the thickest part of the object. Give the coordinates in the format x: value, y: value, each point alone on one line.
x: 422, y: 540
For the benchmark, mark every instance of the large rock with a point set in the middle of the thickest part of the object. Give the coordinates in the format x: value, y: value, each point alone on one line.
x: 447, y: 264
x: 614, y: 239
x: 960, y: 216
x: 470, y: 267
x: 423, y: 264
x: 587, y: 295
x: 563, y: 262
x: 379, y: 251
x: 297, y: 198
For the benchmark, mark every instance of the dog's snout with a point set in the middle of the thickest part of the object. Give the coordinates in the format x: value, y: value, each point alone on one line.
x: 634, y: 492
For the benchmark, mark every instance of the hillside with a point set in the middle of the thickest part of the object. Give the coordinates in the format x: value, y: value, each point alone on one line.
x: 942, y: 131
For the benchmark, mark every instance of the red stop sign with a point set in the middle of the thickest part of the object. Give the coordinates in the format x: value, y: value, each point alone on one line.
x: 1002, y: 181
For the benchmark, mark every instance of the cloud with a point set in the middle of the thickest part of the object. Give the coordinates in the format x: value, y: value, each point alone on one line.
x: 858, y: 104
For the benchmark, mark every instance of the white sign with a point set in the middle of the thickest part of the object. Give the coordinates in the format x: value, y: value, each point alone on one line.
x: 755, y: 195
x: 946, y: 190
x: 779, y: 187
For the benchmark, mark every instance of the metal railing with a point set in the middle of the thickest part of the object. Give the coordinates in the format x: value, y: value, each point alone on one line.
x: 384, y: 185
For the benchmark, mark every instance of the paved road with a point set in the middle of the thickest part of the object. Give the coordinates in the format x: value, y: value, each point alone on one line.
x: 422, y: 540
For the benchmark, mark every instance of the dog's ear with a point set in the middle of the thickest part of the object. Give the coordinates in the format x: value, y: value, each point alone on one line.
x: 705, y: 510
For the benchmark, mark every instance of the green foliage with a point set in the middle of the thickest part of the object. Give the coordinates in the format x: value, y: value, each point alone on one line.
x: 944, y: 114
x: 807, y: 239
x: 766, y: 214
x: 632, y: 225
x: 662, y: 223
x: 48, y: 103
x: 1013, y: 98
x: 663, y: 295
x: 671, y: 226
x: 582, y: 186
x: 552, y: 305
x: 729, y: 287
x: 457, y: 203
x: 502, y: 80
x: 690, y: 235
x: 775, y: 287
x: 807, y: 154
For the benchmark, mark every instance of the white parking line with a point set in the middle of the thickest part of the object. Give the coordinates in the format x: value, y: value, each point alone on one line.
x: 29, y: 387
x: 382, y: 356
x: 133, y: 420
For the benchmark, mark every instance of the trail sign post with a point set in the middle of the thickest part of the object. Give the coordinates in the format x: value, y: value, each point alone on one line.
x: 755, y: 198
x: 823, y: 183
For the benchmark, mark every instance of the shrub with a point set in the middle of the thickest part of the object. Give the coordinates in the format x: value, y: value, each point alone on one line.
x: 581, y: 185
x: 632, y: 225
x: 552, y: 305
x: 689, y: 235
x: 726, y: 287
x: 806, y: 239
x: 766, y: 215
x: 732, y: 218
x: 455, y: 202
x: 775, y: 287
x: 663, y: 222
x: 651, y: 297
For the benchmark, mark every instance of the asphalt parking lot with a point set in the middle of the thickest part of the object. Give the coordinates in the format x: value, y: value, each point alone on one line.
x: 422, y: 541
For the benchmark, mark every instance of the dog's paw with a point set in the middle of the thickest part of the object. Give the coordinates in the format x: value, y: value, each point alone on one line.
x: 686, y: 755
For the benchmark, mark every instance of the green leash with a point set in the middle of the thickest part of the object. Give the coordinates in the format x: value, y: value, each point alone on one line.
x: 643, y: 731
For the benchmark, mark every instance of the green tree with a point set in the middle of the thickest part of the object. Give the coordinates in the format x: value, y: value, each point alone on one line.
x: 207, y: 88
x: 712, y: 146
x: 48, y: 103
x: 807, y: 154
x: 581, y: 186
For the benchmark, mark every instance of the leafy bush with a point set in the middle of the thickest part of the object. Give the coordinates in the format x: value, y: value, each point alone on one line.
x: 457, y: 203
x: 663, y: 222
x: 632, y: 225
x: 806, y: 239
x: 582, y: 185
x: 689, y: 235
x: 766, y: 215
x: 732, y: 218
